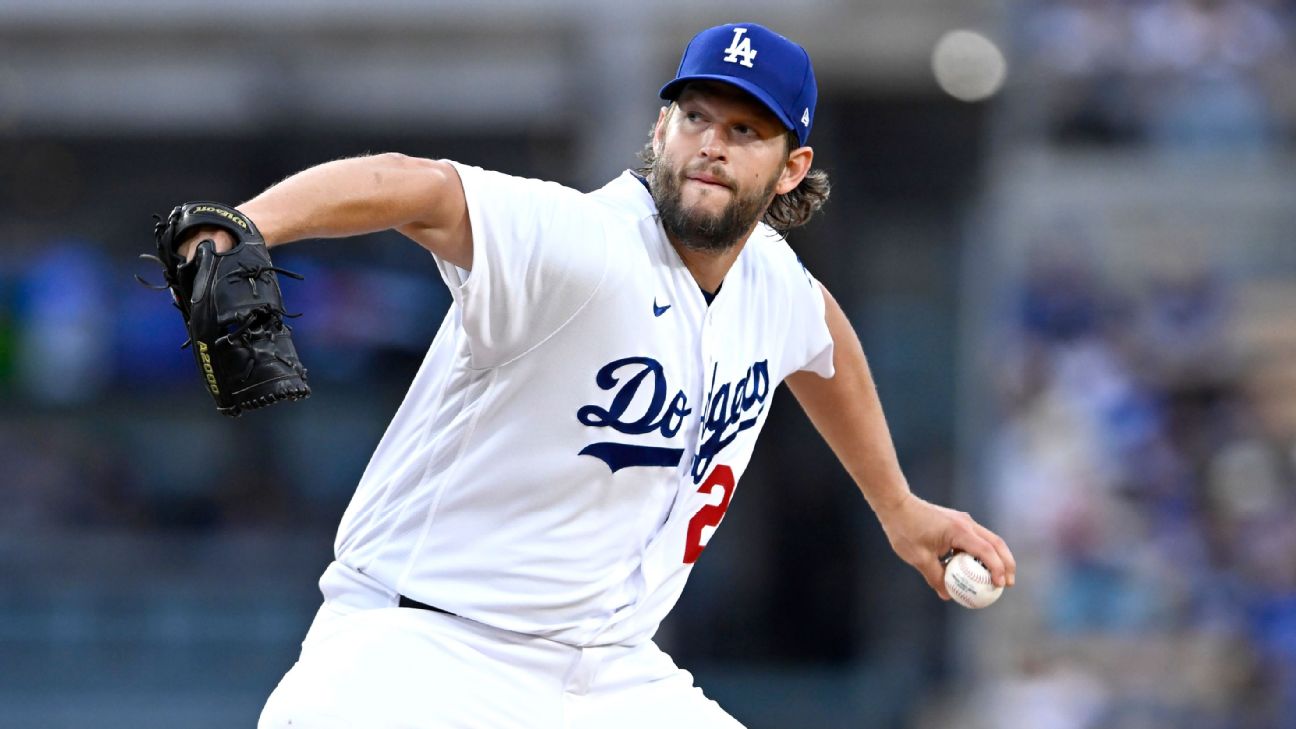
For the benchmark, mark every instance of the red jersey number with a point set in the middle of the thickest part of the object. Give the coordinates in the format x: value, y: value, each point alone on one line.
x: 721, y: 478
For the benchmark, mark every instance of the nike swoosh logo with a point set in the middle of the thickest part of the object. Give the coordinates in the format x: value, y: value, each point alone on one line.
x: 659, y: 310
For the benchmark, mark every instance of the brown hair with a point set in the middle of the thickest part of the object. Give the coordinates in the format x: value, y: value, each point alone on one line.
x: 787, y: 211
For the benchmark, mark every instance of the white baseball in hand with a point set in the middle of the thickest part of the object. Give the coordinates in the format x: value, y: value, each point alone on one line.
x: 969, y: 583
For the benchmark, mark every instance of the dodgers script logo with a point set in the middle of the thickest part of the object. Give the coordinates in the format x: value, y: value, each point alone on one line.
x: 730, y: 409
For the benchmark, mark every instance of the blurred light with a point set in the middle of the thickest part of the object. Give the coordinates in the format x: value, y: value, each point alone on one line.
x: 968, y: 66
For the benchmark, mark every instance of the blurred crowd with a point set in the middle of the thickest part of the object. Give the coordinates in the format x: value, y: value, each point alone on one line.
x: 1142, y: 459
x: 1144, y: 467
x: 1177, y: 74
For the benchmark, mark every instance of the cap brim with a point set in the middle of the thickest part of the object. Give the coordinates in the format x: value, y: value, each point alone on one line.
x: 672, y: 90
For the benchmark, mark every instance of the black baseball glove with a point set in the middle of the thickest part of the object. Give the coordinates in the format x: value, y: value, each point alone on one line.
x: 233, y: 309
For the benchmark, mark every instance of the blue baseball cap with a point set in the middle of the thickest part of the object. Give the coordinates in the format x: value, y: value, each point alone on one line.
x: 759, y: 61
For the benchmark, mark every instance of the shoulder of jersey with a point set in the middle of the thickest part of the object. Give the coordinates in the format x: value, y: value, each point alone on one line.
x: 772, y: 246
x: 775, y: 257
x: 619, y: 202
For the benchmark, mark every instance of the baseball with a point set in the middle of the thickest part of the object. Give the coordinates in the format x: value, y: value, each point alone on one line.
x: 968, y: 582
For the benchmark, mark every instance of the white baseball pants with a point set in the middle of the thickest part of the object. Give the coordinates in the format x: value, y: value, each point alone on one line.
x: 382, y: 667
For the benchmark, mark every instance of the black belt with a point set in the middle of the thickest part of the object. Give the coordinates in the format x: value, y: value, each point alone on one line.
x: 406, y: 602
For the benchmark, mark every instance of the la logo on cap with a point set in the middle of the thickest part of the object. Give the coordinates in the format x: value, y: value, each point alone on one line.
x: 740, y: 50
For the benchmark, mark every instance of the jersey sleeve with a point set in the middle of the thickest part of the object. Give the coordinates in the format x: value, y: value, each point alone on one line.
x: 539, y: 255
x: 809, y: 343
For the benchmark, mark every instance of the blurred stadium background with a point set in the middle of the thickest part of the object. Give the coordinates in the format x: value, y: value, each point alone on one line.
x: 1078, y: 297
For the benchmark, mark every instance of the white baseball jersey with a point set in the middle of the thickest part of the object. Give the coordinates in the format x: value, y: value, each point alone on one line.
x: 582, y: 418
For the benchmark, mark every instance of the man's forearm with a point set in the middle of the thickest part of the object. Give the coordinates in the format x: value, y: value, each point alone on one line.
x: 421, y: 198
x: 349, y: 197
x: 848, y: 414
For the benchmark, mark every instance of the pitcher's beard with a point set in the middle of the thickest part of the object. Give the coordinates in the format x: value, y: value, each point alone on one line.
x: 696, y: 229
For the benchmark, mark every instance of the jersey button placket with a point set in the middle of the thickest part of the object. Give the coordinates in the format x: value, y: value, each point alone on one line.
x: 707, y: 380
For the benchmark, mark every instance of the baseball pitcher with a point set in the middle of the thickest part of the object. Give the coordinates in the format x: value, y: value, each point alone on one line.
x: 583, y: 417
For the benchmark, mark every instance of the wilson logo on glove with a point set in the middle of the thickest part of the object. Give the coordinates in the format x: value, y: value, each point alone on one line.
x: 224, y: 212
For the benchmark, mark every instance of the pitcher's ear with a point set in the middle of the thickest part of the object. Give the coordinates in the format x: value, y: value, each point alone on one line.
x: 659, y: 129
x: 795, y: 170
